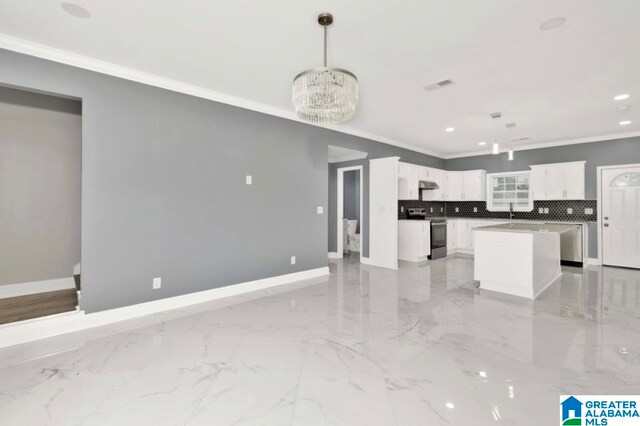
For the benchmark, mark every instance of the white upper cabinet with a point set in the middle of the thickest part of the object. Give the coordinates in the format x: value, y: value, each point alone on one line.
x: 466, y: 186
x: 455, y: 186
x: 559, y: 181
x: 409, y: 176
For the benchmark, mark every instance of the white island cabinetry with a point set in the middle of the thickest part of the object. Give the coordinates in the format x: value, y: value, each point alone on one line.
x: 519, y: 259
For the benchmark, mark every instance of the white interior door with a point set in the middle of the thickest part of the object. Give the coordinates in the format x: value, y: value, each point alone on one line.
x: 383, y: 212
x: 621, y: 217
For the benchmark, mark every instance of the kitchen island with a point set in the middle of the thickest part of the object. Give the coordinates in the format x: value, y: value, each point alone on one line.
x: 521, y: 259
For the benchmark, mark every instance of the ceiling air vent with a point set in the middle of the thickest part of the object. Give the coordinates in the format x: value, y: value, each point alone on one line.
x: 496, y: 114
x: 519, y: 140
x: 439, y: 85
x: 510, y: 125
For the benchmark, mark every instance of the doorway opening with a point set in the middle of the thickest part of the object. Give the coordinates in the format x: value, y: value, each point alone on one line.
x: 349, y: 211
x: 40, y: 178
x: 348, y: 216
x: 619, y: 215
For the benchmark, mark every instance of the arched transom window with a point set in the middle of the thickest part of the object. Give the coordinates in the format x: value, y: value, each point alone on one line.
x: 626, y: 179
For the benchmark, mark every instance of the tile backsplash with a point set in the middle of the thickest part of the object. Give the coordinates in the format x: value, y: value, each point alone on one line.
x: 433, y: 208
x: 561, y: 210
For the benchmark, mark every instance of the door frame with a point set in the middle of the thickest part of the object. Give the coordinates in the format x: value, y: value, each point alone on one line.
x: 599, y: 170
x: 340, y: 210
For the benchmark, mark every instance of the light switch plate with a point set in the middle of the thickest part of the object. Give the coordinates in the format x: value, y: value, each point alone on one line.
x: 249, y: 180
x: 588, y: 211
x: 293, y: 260
x: 540, y: 210
x: 569, y: 210
x: 320, y: 210
x: 157, y: 283
x: 546, y: 210
x: 475, y: 210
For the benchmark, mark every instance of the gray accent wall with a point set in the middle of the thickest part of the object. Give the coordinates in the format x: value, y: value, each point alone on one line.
x: 604, y: 153
x: 40, y: 159
x: 163, y: 186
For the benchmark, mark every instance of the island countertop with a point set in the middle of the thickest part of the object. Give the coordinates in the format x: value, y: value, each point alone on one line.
x: 529, y: 228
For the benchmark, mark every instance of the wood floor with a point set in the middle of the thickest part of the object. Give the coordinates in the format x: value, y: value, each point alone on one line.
x: 37, y: 305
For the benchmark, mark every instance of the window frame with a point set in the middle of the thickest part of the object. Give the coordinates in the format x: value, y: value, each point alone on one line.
x: 504, y: 208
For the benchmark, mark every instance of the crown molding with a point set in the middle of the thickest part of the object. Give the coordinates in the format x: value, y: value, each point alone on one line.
x: 575, y: 141
x: 91, y: 64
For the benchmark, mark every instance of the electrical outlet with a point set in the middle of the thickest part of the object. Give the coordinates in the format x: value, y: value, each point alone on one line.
x: 475, y: 210
x: 569, y: 210
x: 540, y: 210
x: 401, y: 209
x: 157, y: 283
x: 457, y: 210
x: 431, y: 209
x: 249, y: 180
x: 320, y: 210
x: 546, y: 210
x: 293, y: 260
x: 441, y: 210
x: 588, y: 211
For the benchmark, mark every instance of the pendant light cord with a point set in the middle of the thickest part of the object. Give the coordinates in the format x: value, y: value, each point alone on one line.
x: 325, y: 46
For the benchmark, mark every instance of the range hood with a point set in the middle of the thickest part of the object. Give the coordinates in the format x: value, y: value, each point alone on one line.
x: 427, y: 184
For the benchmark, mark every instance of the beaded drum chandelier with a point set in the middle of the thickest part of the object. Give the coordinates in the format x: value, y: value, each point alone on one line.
x: 325, y: 95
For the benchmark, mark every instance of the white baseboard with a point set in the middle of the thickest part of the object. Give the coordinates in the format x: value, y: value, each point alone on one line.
x: 594, y: 261
x: 41, y: 328
x: 34, y: 287
x: 334, y: 255
x: 365, y: 260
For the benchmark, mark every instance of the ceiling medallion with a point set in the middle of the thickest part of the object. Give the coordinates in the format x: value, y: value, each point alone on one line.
x: 325, y: 95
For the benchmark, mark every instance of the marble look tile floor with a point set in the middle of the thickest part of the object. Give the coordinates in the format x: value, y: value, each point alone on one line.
x: 363, y: 346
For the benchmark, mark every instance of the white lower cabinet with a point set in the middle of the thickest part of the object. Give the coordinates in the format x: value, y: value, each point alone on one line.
x: 452, y: 235
x: 414, y: 240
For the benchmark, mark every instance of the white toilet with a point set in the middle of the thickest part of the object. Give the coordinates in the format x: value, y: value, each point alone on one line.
x: 354, y: 239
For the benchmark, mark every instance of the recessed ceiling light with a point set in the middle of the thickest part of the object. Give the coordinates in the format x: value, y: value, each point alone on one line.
x: 625, y: 123
x: 621, y: 97
x: 449, y: 129
x: 450, y: 405
x: 75, y: 10
x: 553, y: 23
x: 482, y: 143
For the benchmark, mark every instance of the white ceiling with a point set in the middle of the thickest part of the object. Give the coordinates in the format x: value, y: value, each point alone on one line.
x: 556, y: 85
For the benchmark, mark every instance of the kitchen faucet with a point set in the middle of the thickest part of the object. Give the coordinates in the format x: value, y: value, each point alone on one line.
x: 511, y: 211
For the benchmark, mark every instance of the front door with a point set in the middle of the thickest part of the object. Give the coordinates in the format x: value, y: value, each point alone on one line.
x: 621, y: 217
